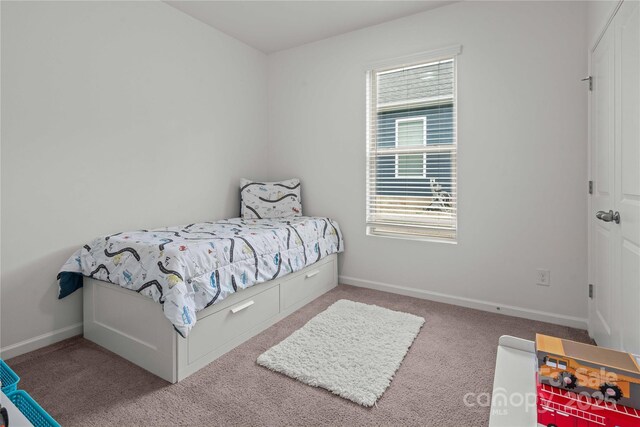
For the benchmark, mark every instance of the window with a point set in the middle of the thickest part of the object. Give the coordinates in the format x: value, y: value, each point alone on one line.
x: 562, y: 364
x: 552, y: 363
x: 411, y: 133
x: 412, y: 148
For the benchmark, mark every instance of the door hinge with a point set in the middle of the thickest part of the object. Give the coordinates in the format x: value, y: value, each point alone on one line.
x: 590, y: 187
x: 590, y: 79
x: 590, y: 291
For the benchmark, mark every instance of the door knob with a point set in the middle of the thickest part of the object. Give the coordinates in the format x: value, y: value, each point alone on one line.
x: 608, y: 216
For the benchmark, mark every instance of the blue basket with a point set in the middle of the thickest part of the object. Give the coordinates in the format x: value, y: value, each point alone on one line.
x: 31, y: 410
x: 9, y: 378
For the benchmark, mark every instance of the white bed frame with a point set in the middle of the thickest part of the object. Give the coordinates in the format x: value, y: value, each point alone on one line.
x: 134, y: 326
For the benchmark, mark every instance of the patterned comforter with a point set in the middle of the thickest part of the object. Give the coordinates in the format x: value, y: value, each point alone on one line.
x: 188, y: 268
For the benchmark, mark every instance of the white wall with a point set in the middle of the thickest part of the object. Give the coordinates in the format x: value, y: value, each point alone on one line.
x: 125, y: 115
x: 522, y: 168
x: 115, y: 116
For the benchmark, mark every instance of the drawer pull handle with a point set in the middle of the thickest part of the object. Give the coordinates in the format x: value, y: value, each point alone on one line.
x: 310, y: 275
x: 241, y: 307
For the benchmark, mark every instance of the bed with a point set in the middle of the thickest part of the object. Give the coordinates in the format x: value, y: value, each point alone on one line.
x: 172, y: 300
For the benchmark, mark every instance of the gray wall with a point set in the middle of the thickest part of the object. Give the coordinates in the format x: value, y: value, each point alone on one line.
x: 522, y: 121
x: 115, y: 116
x: 122, y: 115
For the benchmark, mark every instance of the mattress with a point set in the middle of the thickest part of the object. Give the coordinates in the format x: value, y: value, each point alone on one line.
x: 188, y: 268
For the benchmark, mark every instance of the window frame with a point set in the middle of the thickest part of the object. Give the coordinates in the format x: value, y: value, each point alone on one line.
x: 440, y: 230
x: 423, y: 119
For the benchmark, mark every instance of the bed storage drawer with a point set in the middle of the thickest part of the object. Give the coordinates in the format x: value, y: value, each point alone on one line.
x: 152, y: 343
x: 311, y: 283
x: 219, y: 328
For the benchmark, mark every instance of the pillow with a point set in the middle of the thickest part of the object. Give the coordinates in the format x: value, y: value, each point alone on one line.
x: 270, y: 199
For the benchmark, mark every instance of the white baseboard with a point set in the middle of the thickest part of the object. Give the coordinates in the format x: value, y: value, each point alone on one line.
x: 40, y: 341
x: 494, y: 307
x: 543, y: 316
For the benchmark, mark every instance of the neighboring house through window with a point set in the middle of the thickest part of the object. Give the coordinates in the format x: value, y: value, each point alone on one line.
x: 412, y: 148
x: 411, y: 132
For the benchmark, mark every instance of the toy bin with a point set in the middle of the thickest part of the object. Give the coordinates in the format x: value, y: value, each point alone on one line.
x: 31, y: 410
x: 9, y: 378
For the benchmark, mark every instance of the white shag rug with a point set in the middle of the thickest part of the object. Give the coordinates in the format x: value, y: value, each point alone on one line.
x: 351, y: 349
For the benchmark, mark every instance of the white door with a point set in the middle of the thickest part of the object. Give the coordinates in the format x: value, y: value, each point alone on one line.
x: 602, y: 311
x: 614, y: 319
x: 627, y: 167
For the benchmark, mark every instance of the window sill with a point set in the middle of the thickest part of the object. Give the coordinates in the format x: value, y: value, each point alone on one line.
x: 431, y: 239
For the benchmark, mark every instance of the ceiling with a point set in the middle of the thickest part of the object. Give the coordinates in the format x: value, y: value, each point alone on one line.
x: 271, y: 26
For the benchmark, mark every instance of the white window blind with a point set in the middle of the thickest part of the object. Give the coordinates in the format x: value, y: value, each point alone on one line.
x: 411, y: 150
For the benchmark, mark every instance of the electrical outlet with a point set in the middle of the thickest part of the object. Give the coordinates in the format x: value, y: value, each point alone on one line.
x: 544, y: 277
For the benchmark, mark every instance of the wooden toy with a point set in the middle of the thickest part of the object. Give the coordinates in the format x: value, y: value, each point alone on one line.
x: 601, y: 373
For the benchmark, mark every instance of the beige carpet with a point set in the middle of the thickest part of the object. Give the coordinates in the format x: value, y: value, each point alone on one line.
x: 81, y: 384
